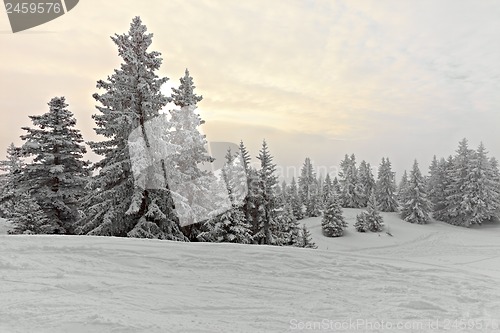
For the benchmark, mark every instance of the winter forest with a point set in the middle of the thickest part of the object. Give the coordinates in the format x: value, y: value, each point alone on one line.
x: 152, y: 180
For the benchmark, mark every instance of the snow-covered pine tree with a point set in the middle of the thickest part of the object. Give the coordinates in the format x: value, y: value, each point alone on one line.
x: 307, y: 183
x: 416, y: 207
x: 385, y: 187
x: 441, y: 189
x: 333, y: 222
x: 496, y: 183
x: 230, y: 226
x: 352, y: 191
x: 184, y: 95
x: 295, y: 200
x: 373, y: 217
x: 336, y: 186
x: 459, y: 200
x: 268, y: 227
x: 306, y: 239
x: 482, y: 187
x: 402, y: 189
x: 27, y: 216
x: 56, y: 176
x: 327, y: 189
x: 116, y: 205
x: 370, y: 220
x: 361, y: 224
x: 12, y: 168
x: 289, y: 227
x: 189, y: 184
x: 366, y: 180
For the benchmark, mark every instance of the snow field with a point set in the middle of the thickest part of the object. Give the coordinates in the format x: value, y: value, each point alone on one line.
x: 423, y: 274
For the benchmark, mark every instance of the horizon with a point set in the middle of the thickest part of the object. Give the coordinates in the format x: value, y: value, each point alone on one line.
x: 315, y: 79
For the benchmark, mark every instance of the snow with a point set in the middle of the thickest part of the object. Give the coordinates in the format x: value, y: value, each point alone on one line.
x: 436, y: 274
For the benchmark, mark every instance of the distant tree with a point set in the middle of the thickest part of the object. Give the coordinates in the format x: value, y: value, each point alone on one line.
x: 386, y: 188
x: 295, y: 201
x: 402, y: 188
x: 268, y: 225
x: 306, y: 239
x: 370, y: 220
x: 328, y: 189
x: 416, y: 208
x: 439, y: 193
x: 366, y: 180
x: 184, y: 95
x: 352, y: 191
x: 308, y: 185
x: 333, y: 222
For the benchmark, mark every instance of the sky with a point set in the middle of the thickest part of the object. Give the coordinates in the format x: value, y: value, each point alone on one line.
x: 320, y: 79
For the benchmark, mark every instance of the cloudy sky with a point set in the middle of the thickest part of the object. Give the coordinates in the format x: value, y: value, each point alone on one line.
x: 318, y: 79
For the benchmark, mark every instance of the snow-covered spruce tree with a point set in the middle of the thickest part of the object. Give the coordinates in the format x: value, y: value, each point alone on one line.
x: 336, y: 186
x: 459, y: 207
x: 333, y: 222
x: 482, y: 187
x: 366, y: 180
x: 12, y: 168
x: 496, y: 183
x: 27, y: 216
x: 306, y: 239
x: 402, y: 188
x: 440, y: 191
x: 268, y: 226
x: 370, y: 220
x: 184, y: 95
x: 57, y: 174
x: 295, y: 200
x: 433, y: 179
x: 231, y: 226
x: 327, y: 190
x: 251, y: 201
x: 307, y: 183
x: 116, y: 205
x: 183, y: 166
x: 288, y: 226
x: 352, y: 191
x: 385, y: 188
x: 361, y: 224
x: 416, y: 207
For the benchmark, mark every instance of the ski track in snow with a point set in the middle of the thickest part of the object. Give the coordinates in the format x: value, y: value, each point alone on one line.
x: 97, y: 284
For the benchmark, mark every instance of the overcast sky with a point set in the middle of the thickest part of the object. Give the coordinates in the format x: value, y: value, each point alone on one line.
x: 318, y: 79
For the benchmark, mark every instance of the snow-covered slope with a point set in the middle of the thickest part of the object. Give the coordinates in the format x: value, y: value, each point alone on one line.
x: 419, y: 276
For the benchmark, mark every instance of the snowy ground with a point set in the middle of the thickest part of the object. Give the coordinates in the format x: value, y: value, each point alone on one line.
x: 430, y: 278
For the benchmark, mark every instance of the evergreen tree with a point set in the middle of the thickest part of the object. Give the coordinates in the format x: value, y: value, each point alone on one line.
x: 118, y: 205
x: 482, y: 187
x: 190, y: 186
x: 403, y: 188
x: 459, y: 210
x: 440, y: 191
x: 28, y: 217
x: 306, y: 239
x: 307, y: 188
x: 386, y: 188
x: 370, y: 220
x: 496, y: 184
x: 352, y: 191
x: 328, y: 189
x: 230, y: 226
x: 268, y: 227
x: 295, y: 201
x: 184, y: 95
x: 416, y: 207
x: 367, y: 182
x: 56, y: 176
x: 333, y: 222
x: 12, y: 168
